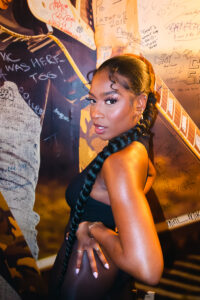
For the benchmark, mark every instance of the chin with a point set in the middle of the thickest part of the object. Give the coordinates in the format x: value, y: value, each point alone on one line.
x: 104, y: 138
x: 107, y: 137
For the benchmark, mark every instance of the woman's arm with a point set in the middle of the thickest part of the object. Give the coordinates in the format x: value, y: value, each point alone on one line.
x: 136, y: 248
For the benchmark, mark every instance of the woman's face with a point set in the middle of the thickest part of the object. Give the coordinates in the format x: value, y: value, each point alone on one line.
x: 113, y: 109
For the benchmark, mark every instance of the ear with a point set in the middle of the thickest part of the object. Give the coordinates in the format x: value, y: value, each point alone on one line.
x: 141, y: 103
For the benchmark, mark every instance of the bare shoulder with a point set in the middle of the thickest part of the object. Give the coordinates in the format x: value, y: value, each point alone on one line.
x: 133, y: 156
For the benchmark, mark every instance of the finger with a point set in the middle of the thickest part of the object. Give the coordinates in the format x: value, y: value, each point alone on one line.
x: 92, y: 261
x: 79, y: 260
x: 101, y: 256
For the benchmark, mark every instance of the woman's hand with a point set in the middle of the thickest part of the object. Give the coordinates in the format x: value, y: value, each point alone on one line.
x: 87, y: 243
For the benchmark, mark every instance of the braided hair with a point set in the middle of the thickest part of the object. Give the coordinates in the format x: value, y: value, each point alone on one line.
x: 140, y: 77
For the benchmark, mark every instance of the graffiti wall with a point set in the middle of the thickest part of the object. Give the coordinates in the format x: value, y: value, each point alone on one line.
x: 46, y: 136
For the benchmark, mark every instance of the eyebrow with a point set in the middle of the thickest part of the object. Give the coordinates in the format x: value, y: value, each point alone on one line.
x: 105, y: 93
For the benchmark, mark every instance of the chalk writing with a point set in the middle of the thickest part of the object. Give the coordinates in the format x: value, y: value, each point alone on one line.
x: 42, y: 76
x: 61, y: 115
x: 59, y: 68
x: 34, y: 63
x: 7, y: 57
x: 17, y: 65
x: 47, y: 60
x: 26, y: 96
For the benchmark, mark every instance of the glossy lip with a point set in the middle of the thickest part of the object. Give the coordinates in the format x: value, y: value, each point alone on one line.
x: 99, y: 129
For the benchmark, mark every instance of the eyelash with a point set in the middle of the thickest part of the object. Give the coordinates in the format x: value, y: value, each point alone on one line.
x: 90, y: 100
x: 112, y: 100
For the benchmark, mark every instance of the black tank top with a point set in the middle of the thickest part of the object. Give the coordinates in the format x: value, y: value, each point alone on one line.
x: 94, y: 210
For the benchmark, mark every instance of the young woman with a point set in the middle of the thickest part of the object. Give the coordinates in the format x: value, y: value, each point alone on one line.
x: 112, y: 237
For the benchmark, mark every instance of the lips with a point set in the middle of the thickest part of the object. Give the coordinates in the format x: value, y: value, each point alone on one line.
x: 99, y: 129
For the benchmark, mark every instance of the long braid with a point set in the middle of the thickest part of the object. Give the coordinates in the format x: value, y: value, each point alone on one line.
x: 114, y: 145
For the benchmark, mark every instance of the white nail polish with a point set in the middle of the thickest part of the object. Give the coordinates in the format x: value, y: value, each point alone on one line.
x: 77, y: 271
x: 106, y: 266
x: 95, y: 274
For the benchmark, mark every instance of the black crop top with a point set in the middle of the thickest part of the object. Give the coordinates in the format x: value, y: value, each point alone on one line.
x: 94, y: 210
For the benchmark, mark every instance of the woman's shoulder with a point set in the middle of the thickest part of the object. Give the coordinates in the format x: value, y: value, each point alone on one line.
x: 130, y: 156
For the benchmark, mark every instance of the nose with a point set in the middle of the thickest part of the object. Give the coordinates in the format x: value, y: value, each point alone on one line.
x: 96, y: 111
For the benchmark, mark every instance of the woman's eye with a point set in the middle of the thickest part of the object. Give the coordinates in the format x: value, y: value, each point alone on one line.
x: 111, y: 101
x: 90, y: 100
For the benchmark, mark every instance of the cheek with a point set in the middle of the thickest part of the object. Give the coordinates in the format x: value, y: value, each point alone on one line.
x: 115, y: 116
x: 122, y: 113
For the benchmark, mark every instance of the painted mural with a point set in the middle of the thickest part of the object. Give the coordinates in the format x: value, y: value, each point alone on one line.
x: 46, y: 137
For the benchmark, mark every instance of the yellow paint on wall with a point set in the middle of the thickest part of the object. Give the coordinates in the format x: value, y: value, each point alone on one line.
x: 27, y: 261
x: 86, y: 154
x: 14, y: 273
x: 85, y: 116
x: 3, y: 246
x: 16, y: 230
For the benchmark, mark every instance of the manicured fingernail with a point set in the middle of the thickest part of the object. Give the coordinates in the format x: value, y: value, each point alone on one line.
x: 95, y: 274
x: 106, y: 266
x: 77, y: 271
